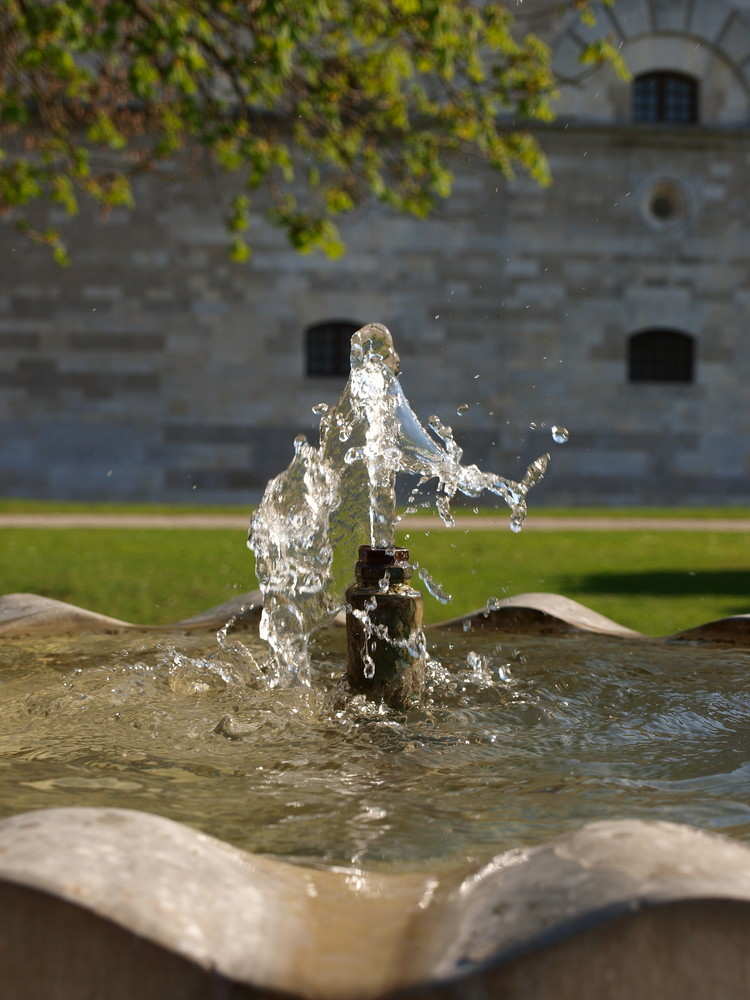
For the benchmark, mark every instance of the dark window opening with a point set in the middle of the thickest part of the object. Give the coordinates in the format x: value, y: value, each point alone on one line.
x: 327, y: 347
x: 665, y: 97
x: 661, y: 356
x: 662, y: 207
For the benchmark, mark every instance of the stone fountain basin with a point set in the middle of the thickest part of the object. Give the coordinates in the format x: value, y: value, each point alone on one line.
x: 118, y: 903
x: 121, y: 903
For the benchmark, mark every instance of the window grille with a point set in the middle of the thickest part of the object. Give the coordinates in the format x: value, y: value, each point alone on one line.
x: 327, y: 347
x: 665, y: 97
x: 661, y: 356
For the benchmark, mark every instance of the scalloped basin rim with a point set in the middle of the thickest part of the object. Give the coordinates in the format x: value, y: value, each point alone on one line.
x: 347, y: 933
x: 31, y: 614
x: 81, y: 888
x: 537, y: 613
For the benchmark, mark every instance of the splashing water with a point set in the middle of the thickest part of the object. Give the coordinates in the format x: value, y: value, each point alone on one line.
x: 332, y: 498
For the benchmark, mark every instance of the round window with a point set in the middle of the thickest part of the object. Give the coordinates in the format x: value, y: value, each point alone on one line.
x: 666, y: 205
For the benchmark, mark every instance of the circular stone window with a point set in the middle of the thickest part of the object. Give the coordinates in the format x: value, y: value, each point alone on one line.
x: 666, y: 205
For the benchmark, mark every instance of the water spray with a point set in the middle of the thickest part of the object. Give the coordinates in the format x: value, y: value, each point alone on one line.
x: 334, y: 496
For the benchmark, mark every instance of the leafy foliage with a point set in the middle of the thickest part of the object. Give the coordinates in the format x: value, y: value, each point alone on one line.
x: 322, y: 103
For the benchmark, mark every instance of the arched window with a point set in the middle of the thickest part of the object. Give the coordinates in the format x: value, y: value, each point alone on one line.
x: 665, y: 97
x: 661, y: 356
x: 327, y: 347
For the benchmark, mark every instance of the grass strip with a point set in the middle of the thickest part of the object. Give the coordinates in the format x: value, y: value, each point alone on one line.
x: 149, y: 576
x: 19, y: 505
x: 657, y: 582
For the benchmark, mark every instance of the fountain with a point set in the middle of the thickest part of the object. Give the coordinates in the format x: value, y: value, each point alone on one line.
x: 530, y: 801
x: 336, y: 493
x: 314, y: 514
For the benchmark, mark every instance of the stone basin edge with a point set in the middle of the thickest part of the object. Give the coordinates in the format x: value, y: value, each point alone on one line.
x: 539, y: 613
x: 271, y: 927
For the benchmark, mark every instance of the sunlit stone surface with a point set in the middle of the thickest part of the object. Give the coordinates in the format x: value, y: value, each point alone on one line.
x: 132, y: 904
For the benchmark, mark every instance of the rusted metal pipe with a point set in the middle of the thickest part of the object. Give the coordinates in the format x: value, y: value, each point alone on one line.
x: 386, y: 655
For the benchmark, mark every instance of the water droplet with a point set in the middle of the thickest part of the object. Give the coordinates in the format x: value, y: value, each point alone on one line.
x: 443, y: 505
x: 559, y: 434
x: 433, y: 587
x: 354, y: 455
x: 475, y: 661
x: 320, y: 408
x: 463, y: 408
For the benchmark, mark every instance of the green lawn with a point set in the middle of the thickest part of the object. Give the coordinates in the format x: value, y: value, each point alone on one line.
x: 461, y: 508
x: 151, y: 576
x: 656, y: 582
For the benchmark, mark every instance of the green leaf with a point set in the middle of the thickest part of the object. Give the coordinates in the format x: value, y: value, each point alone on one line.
x: 239, y: 251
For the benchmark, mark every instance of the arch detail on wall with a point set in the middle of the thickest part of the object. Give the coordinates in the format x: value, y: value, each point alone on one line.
x: 718, y: 26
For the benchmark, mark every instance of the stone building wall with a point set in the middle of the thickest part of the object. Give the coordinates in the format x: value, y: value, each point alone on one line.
x: 154, y: 368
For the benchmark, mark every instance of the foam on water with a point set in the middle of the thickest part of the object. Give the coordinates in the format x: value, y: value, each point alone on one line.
x: 342, y: 493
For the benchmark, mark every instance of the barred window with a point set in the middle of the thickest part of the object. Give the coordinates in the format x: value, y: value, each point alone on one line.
x: 665, y: 97
x: 661, y: 356
x: 327, y: 347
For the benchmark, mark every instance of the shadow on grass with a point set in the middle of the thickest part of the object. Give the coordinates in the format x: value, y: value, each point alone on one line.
x: 729, y: 583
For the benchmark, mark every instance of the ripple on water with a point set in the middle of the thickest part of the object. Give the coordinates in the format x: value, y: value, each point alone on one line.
x: 516, y: 743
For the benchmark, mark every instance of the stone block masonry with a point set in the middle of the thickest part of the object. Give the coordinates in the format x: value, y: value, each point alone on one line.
x: 154, y: 368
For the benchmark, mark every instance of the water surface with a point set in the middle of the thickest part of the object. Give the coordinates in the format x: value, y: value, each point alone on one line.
x: 521, y: 739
